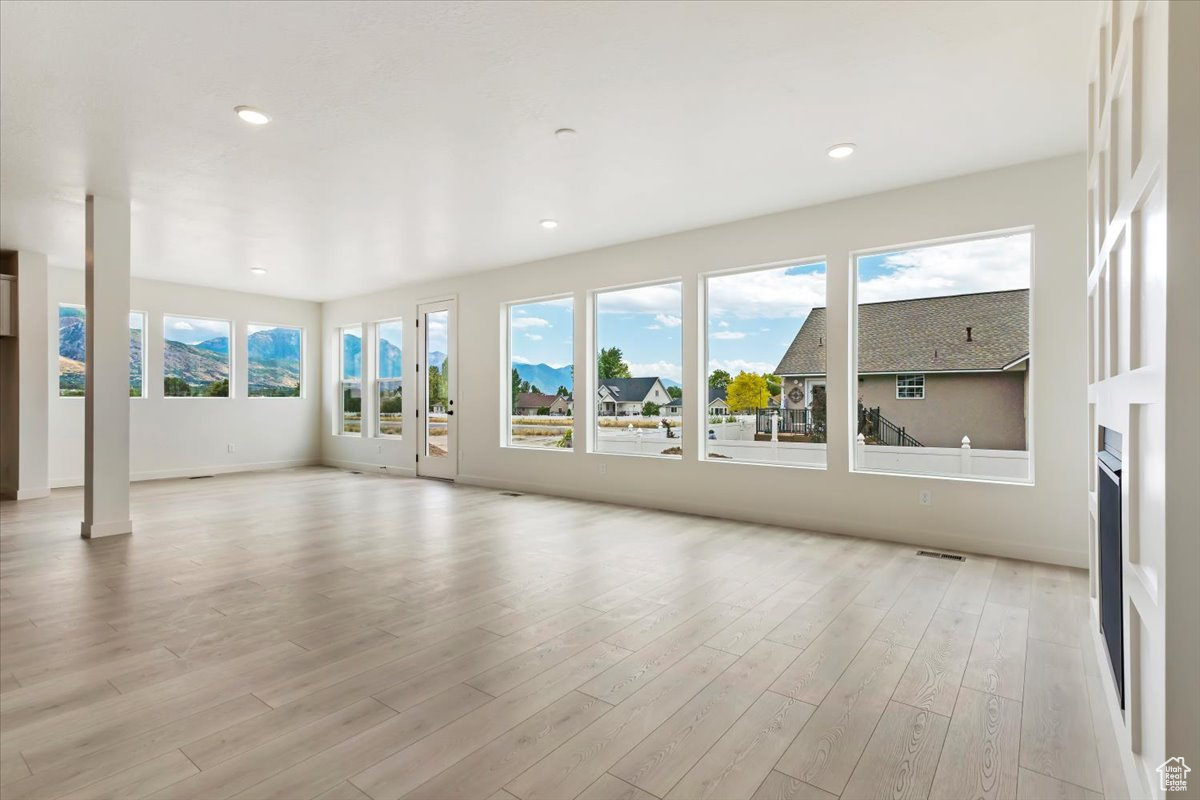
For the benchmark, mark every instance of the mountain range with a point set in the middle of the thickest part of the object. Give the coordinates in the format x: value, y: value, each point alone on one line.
x: 391, y: 358
x: 72, y: 348
x: 545, y: 377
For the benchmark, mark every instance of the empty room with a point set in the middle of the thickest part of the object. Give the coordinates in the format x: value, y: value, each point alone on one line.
x: 613, y: 400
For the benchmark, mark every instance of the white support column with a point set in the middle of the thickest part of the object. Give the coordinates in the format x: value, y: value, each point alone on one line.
x: 106, y: 401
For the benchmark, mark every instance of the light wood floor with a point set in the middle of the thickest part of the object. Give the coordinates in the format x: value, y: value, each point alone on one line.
x: 318, y: 634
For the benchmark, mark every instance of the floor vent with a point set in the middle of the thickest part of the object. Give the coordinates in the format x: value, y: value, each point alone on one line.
x: 933, y: 554
x: 510, y: 494
x: 198, y: 477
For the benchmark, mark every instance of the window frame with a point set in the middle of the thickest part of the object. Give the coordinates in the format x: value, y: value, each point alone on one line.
x: 506, y: 411
x: 910, y: 375
x: 340, y: 421
x: 58, y: 345
x: 701, y: 419
x: 855, y: 376
x: 593, y: 365
x: 232, y: 362
x: 377, y: 379
x: 145, y: 372
x: 303, y: 371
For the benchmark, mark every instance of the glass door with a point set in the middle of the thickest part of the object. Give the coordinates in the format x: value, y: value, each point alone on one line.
x: 437, y: 453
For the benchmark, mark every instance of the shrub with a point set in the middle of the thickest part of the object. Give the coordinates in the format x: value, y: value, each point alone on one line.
x: 565, y: 441
x: 650, y: 409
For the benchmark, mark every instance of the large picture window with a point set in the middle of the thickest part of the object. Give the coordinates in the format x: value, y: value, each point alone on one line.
x: 541, y: 404
x: 947, y: 325
x: 350, y: 383
x: 639, y: 359
x: 389, y: 397
x: 273, y: 360
x: 72, y: 350
x: 765, y: 394
x: 196, y: 357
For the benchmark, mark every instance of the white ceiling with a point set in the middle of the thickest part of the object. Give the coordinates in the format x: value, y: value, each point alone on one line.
x: 415, y: 140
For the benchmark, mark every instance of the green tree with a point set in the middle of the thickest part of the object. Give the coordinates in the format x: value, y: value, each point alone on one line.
x: 650, y: 409
x: 719, y: 379
x: 817, y: 412
x: 217, y: 388
x: 774, y: 384
x: 437, y: 386
x: 562, y: 392
x: 176, y: 387
x: 611, y: 364
x: 675, y: 392
x: 516, y: 387
x: 747, y: 392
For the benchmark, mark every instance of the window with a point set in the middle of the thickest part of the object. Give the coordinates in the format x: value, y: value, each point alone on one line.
x: 196, y: 357
x: 541, y: 404
x: 273, y: 358
x: 910, y: 387
x: 389, y: 352
x: 765, y: 394
x: 638, y: 371
x: 350, y: 385
x: 72, y: 350
x: 946, y: 324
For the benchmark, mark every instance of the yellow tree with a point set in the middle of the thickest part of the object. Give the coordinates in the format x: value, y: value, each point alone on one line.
x: 747, y: 392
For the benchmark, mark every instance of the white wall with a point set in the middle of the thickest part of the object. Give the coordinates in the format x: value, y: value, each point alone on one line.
x: 1044, y: 521
x: 190, y: 436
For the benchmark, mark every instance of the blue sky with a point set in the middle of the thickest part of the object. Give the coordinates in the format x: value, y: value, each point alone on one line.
x: 753, y: 316
x: 542, y: 332
x: 193, y: 331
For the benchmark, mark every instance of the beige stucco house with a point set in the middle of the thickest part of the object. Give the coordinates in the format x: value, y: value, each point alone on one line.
x: 940, y: 367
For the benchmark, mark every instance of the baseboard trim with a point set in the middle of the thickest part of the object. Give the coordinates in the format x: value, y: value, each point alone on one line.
x: 961, y: 544
x: 9, y: 493
x: 192, y: 472
x: 97, y: 530
x: 371, y: 469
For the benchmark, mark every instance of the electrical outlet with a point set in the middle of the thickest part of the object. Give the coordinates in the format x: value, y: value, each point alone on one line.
x: 925, y: 498
x: 230, y: 447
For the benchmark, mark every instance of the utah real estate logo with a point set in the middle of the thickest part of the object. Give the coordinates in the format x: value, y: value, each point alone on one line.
x: 1173, y: 775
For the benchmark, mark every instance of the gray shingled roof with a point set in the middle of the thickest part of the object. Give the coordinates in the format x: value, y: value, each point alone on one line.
x: 534, y: 400
x: 713, y: 394
x: 928, y: 334
x: 628, y: 390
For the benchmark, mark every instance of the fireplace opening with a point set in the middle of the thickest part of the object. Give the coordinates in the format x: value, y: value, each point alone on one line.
x: 1112, y: 606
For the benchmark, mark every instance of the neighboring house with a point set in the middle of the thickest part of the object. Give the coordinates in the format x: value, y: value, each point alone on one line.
x: 621, y: 397
x: 563, y: 406
x: 528, y: 403
x: 941, y: 367
x: 716, y: 404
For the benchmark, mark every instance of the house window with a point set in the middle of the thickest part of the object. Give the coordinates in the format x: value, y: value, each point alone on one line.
x: 196, y: 357
x: 954, y: 314
x: 389, y: 359
x: 639, y: 357
x: 273, y: 360
x: 350, y: 383
x: 910, y: 387
x: 541, y: 352
x: 765, y: 346
x: 72, y: 350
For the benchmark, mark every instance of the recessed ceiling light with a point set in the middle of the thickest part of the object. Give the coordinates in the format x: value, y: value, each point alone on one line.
x: 252, y: 115
x: 842, y: 150
x: 565, y: 133
x: 259, y: 270
x: 549, y: 223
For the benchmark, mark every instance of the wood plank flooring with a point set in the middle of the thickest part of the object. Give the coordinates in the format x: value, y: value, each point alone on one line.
x: 314, y: 633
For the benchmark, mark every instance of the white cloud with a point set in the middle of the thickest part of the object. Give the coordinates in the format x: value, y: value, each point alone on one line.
x: 662, y: 299
x: 182, y: 325
x: 728, y: 335
x: 768, y: 293
x: 668, y: 320
x: 983, y: 265
x: 533, y: 337
x: 735, y: 365
x: 661, y: 369
x: 520, y: 323
x: 722, y: 323
x: 516, y: 359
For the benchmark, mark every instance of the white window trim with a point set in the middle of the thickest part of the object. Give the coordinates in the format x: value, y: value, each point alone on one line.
x: 910, y: 375
x: 303, y: 350
x: 593, y: 379
x: 340, y: 421
x: 377, y: 379
x: 507, y: 410
x: 232, y: 361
